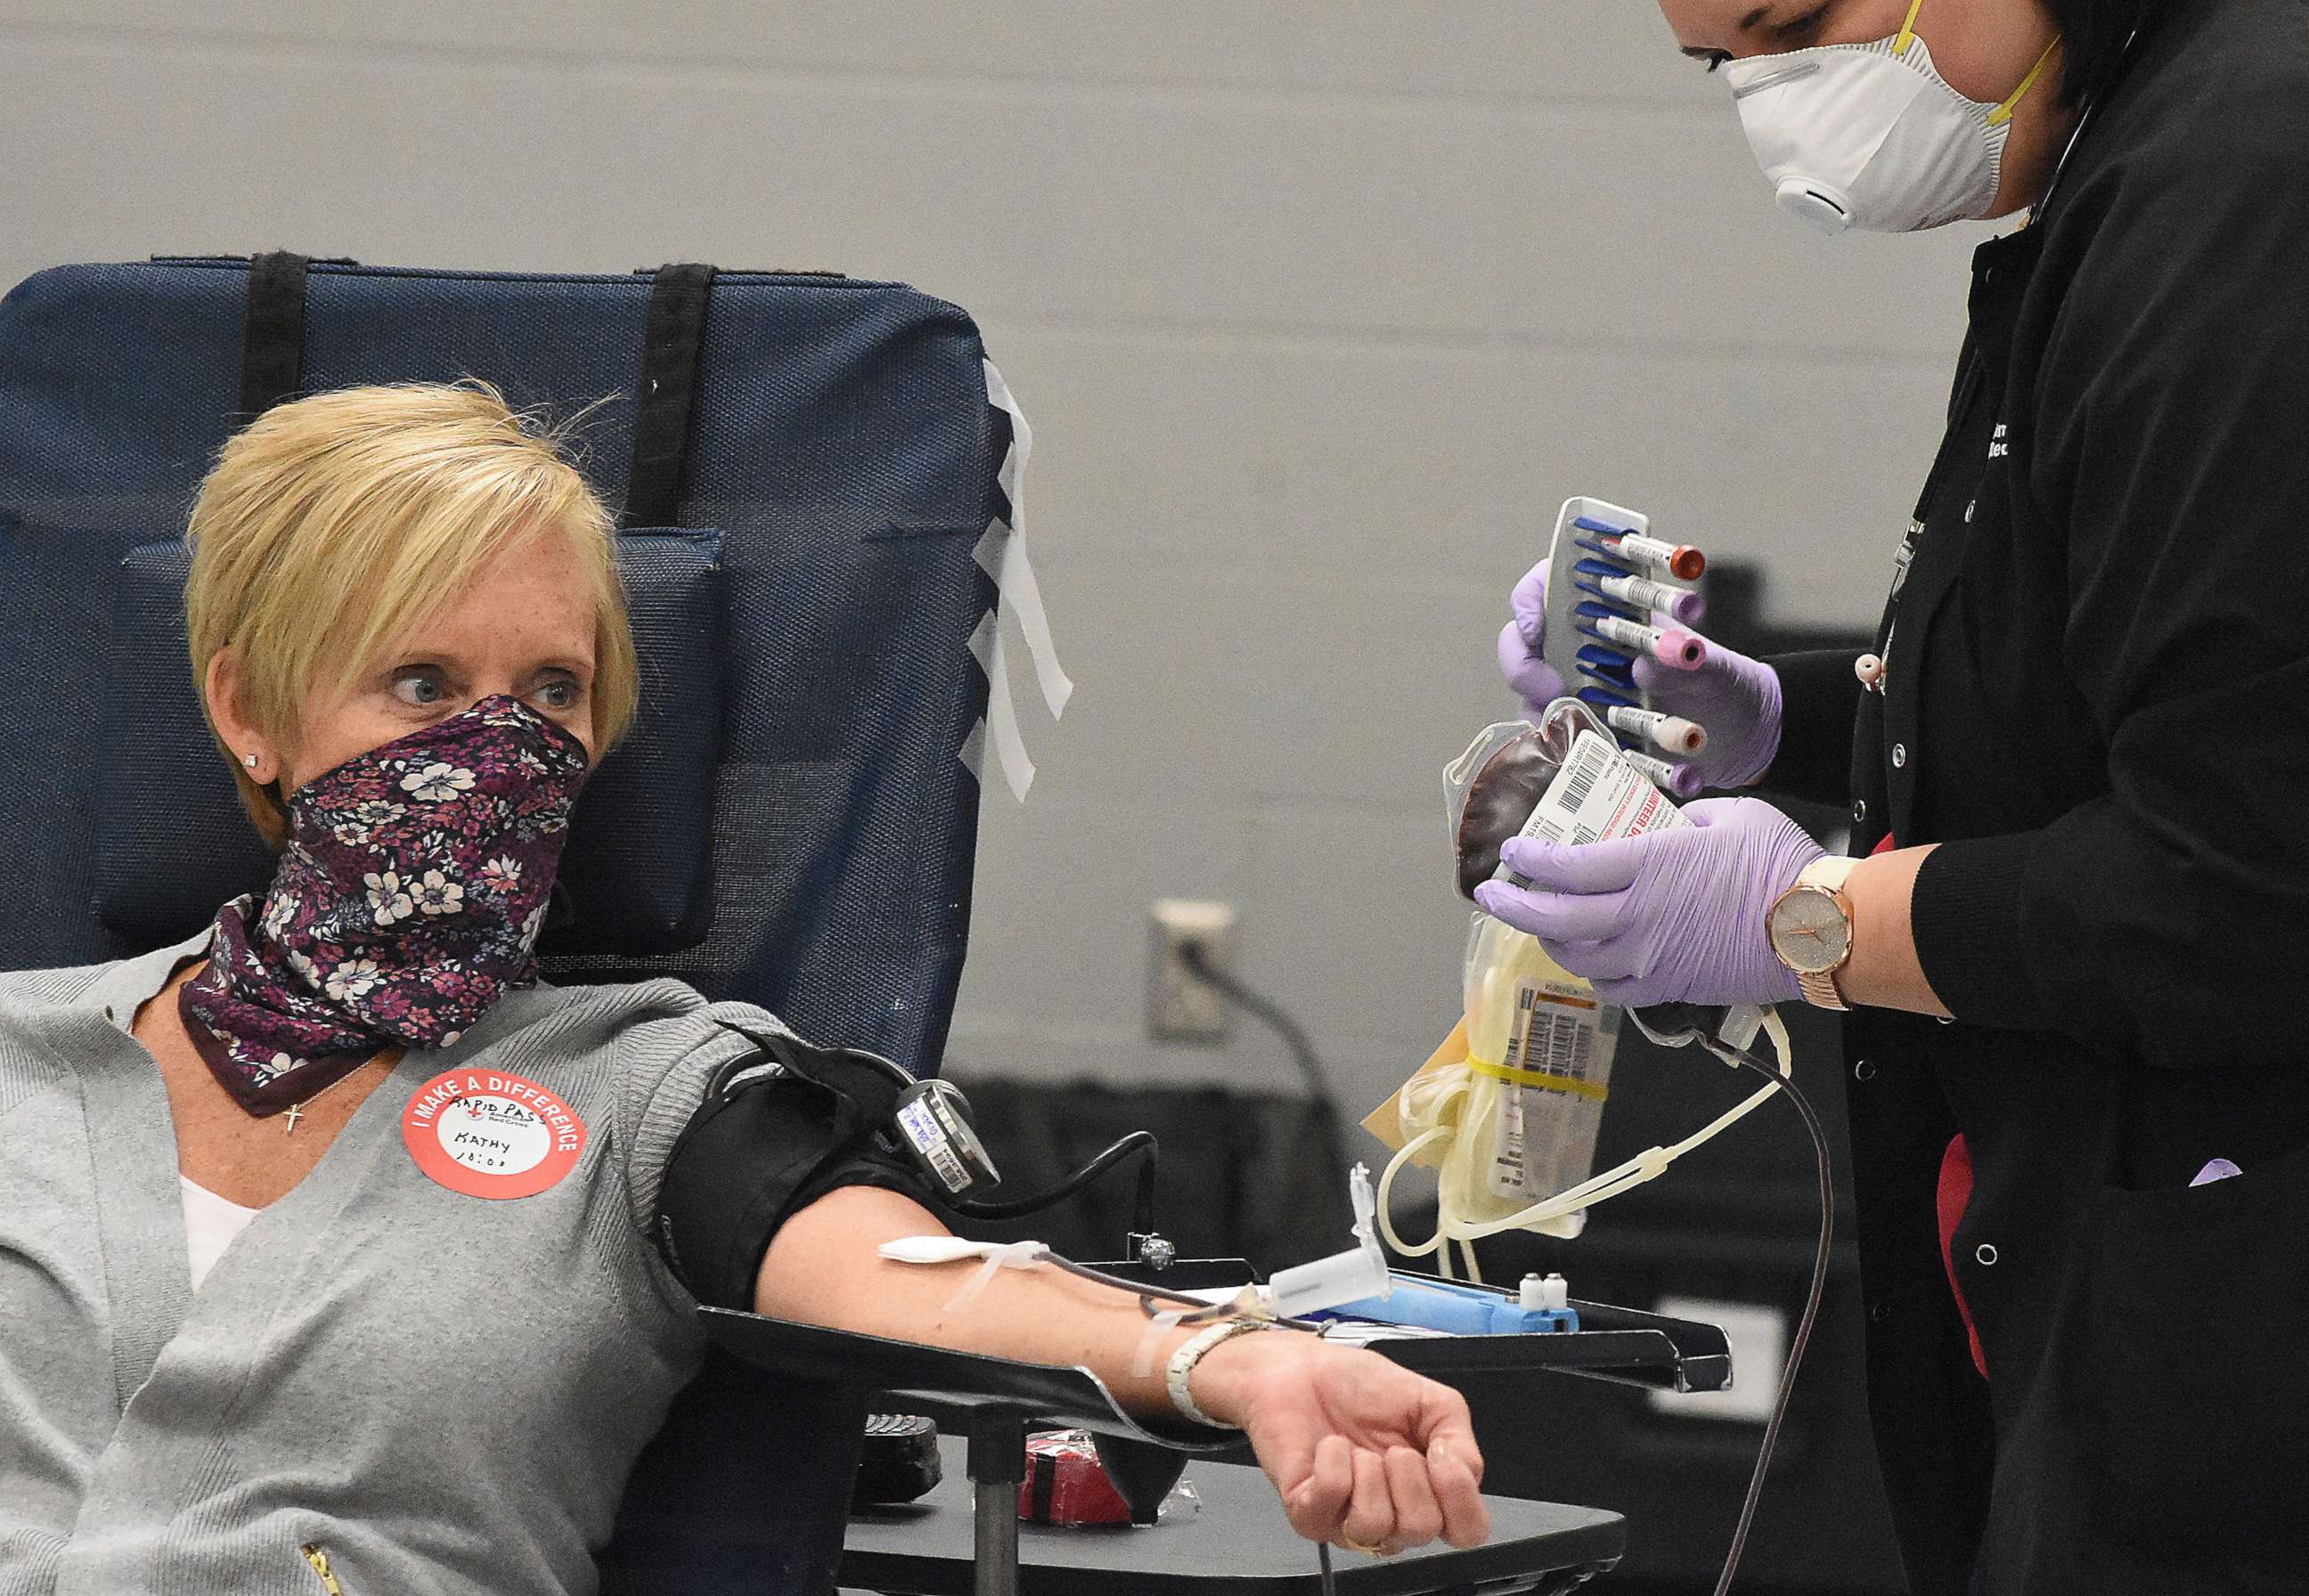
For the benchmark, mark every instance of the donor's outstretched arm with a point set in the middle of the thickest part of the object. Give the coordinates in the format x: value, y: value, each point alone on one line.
x: 1361, y: 1450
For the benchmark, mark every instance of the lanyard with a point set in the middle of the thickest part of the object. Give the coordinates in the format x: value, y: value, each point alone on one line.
x: 2084, y: 119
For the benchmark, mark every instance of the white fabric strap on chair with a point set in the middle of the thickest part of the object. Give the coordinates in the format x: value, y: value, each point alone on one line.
x: 1001, y: 554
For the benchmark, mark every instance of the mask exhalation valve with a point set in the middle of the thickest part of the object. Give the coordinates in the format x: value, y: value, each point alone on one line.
x: 1813, y: 206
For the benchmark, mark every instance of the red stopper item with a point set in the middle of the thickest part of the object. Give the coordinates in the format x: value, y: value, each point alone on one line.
x: 1064, y: 1484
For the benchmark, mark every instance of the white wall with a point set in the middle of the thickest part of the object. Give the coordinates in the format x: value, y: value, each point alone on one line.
x: 1318, y: 306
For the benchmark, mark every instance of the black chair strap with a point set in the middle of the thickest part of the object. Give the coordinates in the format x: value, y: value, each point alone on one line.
x: 272, y: 339
x: 672, y: 343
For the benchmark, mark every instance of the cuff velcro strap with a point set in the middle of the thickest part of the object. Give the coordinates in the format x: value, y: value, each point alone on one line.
x: 764, y: 1144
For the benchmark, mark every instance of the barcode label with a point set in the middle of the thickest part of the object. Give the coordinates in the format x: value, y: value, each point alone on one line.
x: 1589, y: 761
x: 1569, y: 1045
x: 1599, y: 795
x: 1554, y: 1035
x: 1544, y: 1137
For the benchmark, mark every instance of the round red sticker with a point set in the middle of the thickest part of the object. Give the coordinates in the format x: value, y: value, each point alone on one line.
x: 487, y: 1134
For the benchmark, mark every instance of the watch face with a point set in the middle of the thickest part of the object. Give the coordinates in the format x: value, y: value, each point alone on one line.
x: 1809, y: 931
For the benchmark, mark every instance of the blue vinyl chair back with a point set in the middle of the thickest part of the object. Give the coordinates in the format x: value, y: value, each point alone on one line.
x: 790, y: 824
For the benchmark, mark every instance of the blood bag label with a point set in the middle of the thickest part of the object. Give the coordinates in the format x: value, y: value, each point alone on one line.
x: 1599, y: 795
x: 1555, y: 1033
x: 487, y: 1134
x: 1543, y: 1136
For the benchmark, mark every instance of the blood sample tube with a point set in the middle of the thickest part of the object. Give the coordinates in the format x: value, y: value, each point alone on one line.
x: 1671, y: 734
x: 1670, y: 645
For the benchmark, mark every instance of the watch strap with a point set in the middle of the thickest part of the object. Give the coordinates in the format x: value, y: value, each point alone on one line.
x: 1829, y: 870
x: 1188, y: 1353
x: 1819, y: 989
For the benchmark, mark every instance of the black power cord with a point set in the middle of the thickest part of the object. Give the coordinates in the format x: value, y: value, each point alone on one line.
x: 1143, y: 1203
x: 1196, y: 959
x: 1746, y: 1060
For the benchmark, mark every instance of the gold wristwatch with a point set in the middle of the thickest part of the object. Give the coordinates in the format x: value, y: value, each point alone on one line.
x: 1809, y: 927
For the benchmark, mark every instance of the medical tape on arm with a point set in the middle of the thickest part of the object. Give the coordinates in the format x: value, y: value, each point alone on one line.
x: 934, y: 1250
x: 1016, y: 1254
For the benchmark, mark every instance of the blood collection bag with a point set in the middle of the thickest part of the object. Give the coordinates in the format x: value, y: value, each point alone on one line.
x: 1539, y: 1063
x: 1507, y: 1109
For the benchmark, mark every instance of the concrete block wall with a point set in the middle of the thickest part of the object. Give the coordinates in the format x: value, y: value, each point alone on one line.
x: 1319, y: 307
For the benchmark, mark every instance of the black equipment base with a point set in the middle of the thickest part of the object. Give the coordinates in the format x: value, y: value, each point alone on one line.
x: 995, y: 1401
x: 1237, y: 1545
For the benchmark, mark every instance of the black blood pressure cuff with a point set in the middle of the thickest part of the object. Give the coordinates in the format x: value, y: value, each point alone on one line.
x: 779, y: 1128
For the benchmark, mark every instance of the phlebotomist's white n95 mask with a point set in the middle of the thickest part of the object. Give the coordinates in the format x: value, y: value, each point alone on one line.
x: 1869, y: 136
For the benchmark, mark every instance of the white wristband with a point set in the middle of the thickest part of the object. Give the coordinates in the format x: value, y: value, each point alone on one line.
x: 1190, y: 1353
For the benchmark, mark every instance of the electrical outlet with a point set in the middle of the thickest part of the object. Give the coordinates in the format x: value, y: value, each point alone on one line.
x: 1181, y: 1006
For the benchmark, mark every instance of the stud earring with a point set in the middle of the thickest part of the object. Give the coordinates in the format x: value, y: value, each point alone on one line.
x: 249, y: 760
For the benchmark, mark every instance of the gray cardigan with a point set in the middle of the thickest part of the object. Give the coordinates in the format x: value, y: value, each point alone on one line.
x: 446, y: 1391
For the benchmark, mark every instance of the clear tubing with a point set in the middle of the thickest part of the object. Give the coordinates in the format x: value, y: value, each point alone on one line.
x: 1644, y: 1167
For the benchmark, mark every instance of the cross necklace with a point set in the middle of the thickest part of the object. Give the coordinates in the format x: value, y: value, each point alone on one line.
x: 297, y: 1110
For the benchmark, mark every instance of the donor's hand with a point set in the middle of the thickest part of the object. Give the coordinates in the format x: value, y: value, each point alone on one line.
x: 1364, y: 1451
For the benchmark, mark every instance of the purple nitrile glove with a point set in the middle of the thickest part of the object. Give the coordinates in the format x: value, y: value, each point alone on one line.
x: 1536, y: 682
x: 1736, y: 698
x: 1672, y: 916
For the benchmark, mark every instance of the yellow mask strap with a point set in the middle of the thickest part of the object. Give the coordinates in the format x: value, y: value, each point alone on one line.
x: 1908, y: 29
x: 2004, y: 113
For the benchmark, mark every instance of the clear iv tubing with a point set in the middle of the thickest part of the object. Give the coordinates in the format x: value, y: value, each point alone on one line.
x: 1596, y: 1188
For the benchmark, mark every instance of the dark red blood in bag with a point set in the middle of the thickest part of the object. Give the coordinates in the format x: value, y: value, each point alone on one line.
x: 1500, y: 800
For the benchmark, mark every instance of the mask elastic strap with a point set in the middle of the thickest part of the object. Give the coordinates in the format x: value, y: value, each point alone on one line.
x: 1907, y: 34
x: 2004, y: 113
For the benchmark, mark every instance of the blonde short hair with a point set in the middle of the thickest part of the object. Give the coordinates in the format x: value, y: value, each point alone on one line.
x: 331, y: 525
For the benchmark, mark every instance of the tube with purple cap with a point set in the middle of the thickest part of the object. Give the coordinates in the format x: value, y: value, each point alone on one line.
x: 1685, y: 606
x: 1677, y: 781
x: 1672, y: 646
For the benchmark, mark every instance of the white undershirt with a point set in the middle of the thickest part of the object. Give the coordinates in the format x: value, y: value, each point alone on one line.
x: 211, y: 1223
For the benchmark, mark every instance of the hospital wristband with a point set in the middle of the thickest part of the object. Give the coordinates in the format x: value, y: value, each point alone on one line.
x: 1189, y: 1352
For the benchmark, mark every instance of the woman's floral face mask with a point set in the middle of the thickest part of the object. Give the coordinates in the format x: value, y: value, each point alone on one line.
x: 407, y: 899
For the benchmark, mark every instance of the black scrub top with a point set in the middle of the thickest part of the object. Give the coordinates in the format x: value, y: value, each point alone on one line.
x: 2096, y: 702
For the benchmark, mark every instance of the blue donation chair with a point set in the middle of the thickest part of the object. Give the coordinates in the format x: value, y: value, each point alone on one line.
x: 806, y: 467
